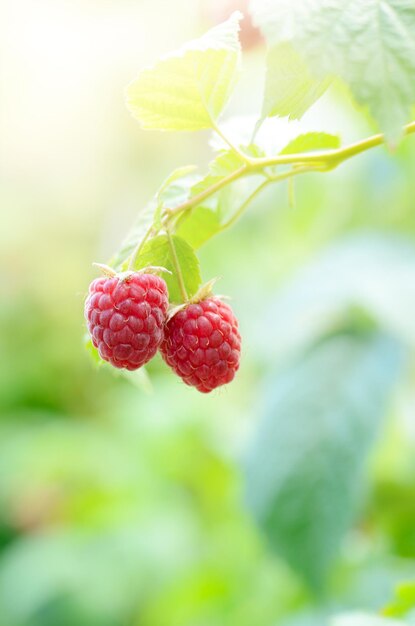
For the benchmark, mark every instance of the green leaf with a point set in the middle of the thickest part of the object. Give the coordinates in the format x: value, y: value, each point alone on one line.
x: 224, y: 164
x: 370, y: 45
x: 143, y: 223
x: 290, y: 88
x: 372, y: 271
x: 174, y: 189
x: 207, y: 219
x: 199, y: 226
x: 404, y: 602
x: 157, y: 251
x: 186, y: 89
x: 310, y: 142
x: 304, y: 467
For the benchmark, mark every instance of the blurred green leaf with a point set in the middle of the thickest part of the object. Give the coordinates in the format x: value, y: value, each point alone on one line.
x: 290, y: 88
x: 310, y: 142
x: 404, y: 602
x: 371, y: 271
x: 370, y: 45
x: 157, y: 251
x: 304, y: 467
x: 186, y: 89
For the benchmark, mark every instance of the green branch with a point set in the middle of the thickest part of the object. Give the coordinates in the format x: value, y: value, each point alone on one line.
x: 136, y: 252
x: 328, y: 158
x: 301, y: 163
x: 322, y: 160
x: 203, y: 195
x: 270, y: 179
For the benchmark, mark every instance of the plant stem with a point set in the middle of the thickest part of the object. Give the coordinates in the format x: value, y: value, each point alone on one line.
x: 329, y: 158
x: 177, y: 267
x: 245, y: 204
x: 232, y: 146
x: 312, y: 161
x: 195, y: 200
x: 136, y: 252
x: 257, y: 191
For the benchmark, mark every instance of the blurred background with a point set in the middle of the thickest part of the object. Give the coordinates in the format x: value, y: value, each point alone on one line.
x: 123, y: 504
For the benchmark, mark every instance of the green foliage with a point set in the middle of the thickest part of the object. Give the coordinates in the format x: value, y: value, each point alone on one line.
x: 304, y: 472
x: 173, y: 190
x: 199, y: 226
x: 188, y: 89
x: 311, y: 142
x: 290, y: 89
x: 404, y: 602
x: 310, y: 44
x: 370, y: 45
x: 119, y: 507
x: 305, y: 466
x: 159, y: 252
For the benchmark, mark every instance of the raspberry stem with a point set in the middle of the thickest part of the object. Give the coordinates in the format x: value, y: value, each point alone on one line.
x: 177, y: 267
x: 136, y: 252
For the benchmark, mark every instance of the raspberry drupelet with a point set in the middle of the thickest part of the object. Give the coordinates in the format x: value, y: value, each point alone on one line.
x: 202, y: 344
x: 125, y: 318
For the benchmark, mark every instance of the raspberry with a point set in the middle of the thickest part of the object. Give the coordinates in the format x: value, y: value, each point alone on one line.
x: 125, y: 318
x: 202, y: 344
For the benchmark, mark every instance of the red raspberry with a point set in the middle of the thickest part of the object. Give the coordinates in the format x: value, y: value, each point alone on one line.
x: 202, y: 344
x: 125, y: 318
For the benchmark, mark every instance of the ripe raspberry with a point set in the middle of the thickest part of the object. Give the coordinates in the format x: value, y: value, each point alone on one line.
x: 125, y: 318
x: 202, y: 344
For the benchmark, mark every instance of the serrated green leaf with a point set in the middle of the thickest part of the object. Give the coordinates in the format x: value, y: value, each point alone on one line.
x: 143, y: 223
x: 157, y: 251
x: 173, y: 190
x: 310, y: 142
x: 199, y: 226
x: 290, y: 88
x: 304, y: 467
x: 226, y: 161
x: 176, y: 188
x: 370, y: 45
x: 186, y: 89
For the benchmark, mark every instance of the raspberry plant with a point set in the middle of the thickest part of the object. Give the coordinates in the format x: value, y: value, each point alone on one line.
x: 367, y: 44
